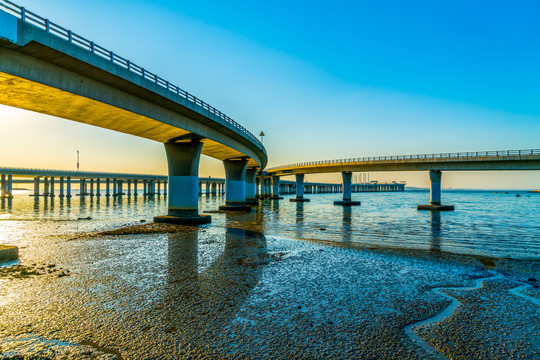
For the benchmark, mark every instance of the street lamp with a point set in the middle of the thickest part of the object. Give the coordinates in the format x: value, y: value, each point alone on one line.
x: 261, y: 135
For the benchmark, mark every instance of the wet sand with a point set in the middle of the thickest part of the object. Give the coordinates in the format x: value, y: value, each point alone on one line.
x: 165, y: 292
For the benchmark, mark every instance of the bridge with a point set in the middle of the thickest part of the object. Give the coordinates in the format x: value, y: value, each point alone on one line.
x: 49, y: 69
x: 434, y: 163
x: 90, y: 184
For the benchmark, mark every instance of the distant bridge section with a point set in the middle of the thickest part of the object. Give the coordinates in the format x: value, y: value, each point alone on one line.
x: 462, y: 161
x: 434, y: 163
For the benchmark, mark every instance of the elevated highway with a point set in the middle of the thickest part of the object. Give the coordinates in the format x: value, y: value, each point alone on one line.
x: 506, y: 160
x: 49, y: 69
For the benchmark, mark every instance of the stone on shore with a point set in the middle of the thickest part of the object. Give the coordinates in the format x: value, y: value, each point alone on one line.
x: 8, y: 253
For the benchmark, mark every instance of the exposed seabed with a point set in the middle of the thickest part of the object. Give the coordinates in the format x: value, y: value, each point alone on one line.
x: 94, y: 290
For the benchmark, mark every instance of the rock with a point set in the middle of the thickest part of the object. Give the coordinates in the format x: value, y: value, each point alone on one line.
x: 8, y: 253
x: 532, y: 279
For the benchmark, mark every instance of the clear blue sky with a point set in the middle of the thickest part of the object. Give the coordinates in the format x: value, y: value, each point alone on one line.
x: 322, y: 79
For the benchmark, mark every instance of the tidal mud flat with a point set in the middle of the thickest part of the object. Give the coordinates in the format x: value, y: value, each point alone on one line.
x: 226, y: 291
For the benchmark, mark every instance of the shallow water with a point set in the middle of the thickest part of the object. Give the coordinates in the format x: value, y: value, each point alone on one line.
x: 486, y: 223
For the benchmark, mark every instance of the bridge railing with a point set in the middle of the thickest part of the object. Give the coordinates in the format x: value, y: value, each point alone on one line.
x: 71, y: 37
x: 476, y: 154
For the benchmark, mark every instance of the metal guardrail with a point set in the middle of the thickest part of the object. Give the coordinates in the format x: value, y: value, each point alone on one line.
x: 69, y: 36
x: 415, y: 157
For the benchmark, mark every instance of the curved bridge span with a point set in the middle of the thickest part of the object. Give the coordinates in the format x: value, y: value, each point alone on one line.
x: 51, y: 70
x: 434, y: 163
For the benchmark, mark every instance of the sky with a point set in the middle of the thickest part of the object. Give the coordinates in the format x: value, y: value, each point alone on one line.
x: 323, y: 80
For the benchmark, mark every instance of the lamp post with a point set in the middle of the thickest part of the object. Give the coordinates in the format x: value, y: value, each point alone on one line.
x: 77, y: 160
x: 261, y: 135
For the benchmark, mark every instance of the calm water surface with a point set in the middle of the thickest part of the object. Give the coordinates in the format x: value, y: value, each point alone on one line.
x: 487, y: 223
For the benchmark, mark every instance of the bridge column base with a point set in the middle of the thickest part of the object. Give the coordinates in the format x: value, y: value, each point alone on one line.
x: 299, y: 200
x: 347, y: 202
x: 435, y: 207
x: 184, y: 218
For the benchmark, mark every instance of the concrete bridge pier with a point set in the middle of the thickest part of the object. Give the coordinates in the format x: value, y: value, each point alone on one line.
x: 115, y: 187
x: 299, y: 189
x: 251, y: 187
x: 207, y: 188
x: 129, y: 188
x: 51, y: 184
x: 68, y: 186
x: 268, y: 186
x: 107, y: 187
x: 275, y: 188
x: 214, y: 189
x: 257, y: 187
x: 435, y: 194
x: 183, y: 201
x: 36, y: 186
x: 98, y: 187
x: 10, y: 187
x: 91, y: 187
x: 61, y: 185
x: 235, y: 185
x: 45, y: 186
x: 347, y: 197
x: 135, y: 184
x: 158, y: 188
x: 3, y: 186
x: 165, y: 184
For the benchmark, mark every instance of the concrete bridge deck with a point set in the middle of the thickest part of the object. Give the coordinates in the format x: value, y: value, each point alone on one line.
x: 463, y: 161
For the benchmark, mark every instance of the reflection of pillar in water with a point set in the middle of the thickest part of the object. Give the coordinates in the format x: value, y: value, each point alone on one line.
x: 435, y: 230
x: 347, y: 223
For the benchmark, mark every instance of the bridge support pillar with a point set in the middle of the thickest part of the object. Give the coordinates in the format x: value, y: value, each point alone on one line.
x: 36, y: 186
x: 107, y: 187
x: 275, y: 188
x: 51, y: 193
x: 251, y: 198
x: 347, y: 196
x: 268, y: 185
x: 299, y: 189
x: 435, y: 194
x: 68, y: 186
x: 61, y: 184
x: 45, y: 186
x: 258, y: 187
x: 98, y: 187
x: 115, y: 187
x: 214, y: 189
x: 3, y: 186
x: 207, y: 188
x: 183, y: 201
x: 135, y: 191
x: 91, y: 187
x: 235, y: 185
x: 82, y: 186
x: 8, y: 187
